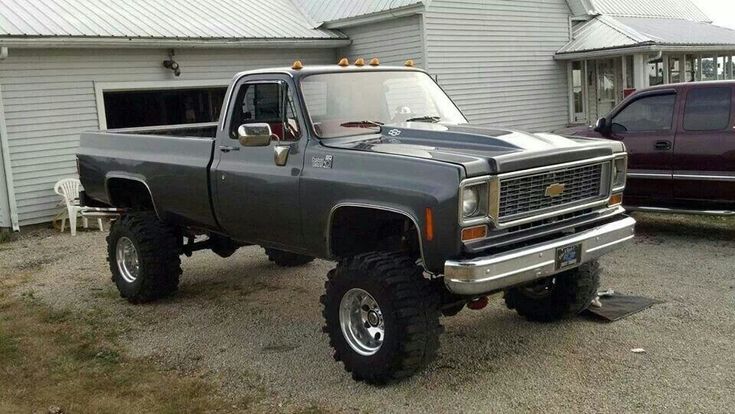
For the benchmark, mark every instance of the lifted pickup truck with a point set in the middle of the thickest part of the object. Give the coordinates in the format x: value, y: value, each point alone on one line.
x: 375, y: 168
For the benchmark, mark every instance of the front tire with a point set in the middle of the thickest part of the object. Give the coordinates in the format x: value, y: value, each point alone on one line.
x: 558, y: 297
x: 143, y: 253
x: 382, y: 317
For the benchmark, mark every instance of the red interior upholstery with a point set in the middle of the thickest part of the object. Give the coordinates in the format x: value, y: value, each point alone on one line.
x: 277, y: 129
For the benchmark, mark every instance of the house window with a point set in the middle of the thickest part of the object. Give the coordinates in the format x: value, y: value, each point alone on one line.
x: 138, y: 108
x: 656, y: 72
x: 629, y: 72
x: 690, y: 68
x: 675, y: 65
x: 607, y: 85
x: 578, y: 92
x: 709, y: 68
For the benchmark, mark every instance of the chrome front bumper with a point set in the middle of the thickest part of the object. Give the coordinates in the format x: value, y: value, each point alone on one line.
x: 490, y: 273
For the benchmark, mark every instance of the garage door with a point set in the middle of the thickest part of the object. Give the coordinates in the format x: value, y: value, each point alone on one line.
x: 135, y: 108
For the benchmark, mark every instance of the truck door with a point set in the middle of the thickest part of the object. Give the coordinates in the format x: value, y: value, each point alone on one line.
x: 255, y: 199
x: 646, y: 126
x: 704, y: 154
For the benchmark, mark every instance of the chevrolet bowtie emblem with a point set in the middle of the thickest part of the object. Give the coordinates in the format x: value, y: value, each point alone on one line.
x: 554, y: 190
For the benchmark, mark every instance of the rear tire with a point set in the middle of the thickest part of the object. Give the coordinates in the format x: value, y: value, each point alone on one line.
x: 401, y: 336
x: 143, y: 253
x: 287, y: 259
x: 557, y: 297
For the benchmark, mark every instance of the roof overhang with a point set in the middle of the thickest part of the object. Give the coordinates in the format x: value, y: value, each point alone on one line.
x: 653, y: 48
x: 375, y: 17
x: 28, y: 42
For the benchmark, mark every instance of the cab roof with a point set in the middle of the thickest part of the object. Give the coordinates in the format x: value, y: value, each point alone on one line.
x: 319, y: 69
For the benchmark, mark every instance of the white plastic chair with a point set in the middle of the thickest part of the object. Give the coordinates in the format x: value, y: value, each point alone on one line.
x: 69, y: 189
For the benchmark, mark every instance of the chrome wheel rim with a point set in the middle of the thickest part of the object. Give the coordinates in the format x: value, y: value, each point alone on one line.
x: 127, y: 259
x: 362, y: 322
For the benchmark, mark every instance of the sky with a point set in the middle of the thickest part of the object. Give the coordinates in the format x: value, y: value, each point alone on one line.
x: 722, y: 12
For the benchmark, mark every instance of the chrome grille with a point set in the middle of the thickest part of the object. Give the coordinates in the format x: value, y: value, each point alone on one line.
x: 526, y: 195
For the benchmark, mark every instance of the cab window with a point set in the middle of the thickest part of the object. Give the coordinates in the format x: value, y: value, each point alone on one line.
x: 707, y: 109
x: 266, y: 102
x: 649, y: 113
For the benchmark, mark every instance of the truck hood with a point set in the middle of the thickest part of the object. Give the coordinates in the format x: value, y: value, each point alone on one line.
x: 481, y: 151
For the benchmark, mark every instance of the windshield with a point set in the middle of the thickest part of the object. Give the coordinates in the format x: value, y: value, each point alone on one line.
x: 353, y: 103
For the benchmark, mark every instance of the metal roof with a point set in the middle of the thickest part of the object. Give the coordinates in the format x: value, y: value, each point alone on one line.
x: 608, y: 32
x: 602, y: 32
x: 321, y: 11
x: 671, y: 9
x: 162, y: 19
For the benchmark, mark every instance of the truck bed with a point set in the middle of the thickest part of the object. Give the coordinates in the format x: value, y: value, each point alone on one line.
x: 172, y: 161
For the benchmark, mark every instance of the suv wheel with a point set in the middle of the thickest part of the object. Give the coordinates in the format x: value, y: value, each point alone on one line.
x: 382, y: 316
x: 144, y: 257
x: 287, y: 259
x: 557, y: 297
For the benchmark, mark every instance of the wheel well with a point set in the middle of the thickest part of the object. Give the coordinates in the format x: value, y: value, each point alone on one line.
x: 126, y: 193
x: 355, y: 230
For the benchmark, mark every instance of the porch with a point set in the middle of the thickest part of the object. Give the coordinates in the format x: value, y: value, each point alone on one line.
x: 608, y: 58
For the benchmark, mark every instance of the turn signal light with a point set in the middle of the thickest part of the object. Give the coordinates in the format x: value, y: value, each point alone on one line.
x: 615, y: 199
x: 474, y: 233
x: 360, y: 62
x: 344, y: 62
x: 429, y: 224
x: 297, y: 65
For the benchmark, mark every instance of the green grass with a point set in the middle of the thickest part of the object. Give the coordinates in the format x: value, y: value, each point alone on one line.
x: 7, y: 236
x: 73, y: 360
x: 8, y: 347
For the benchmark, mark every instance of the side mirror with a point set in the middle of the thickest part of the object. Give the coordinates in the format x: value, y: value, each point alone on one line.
x: 601, y: 125
x: 254, y: 135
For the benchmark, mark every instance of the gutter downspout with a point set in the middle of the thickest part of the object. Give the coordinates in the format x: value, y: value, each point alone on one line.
x: 5, y: 149
x: 657, y: 57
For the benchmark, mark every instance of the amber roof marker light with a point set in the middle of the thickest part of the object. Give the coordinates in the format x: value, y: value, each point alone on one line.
x: 297, y: 65
x: 343, y: 62
x: 374, y: 62
x: 360, y: 62
x: 409, y: 63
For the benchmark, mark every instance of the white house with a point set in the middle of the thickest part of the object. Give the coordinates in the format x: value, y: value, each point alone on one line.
x: 77, y: 65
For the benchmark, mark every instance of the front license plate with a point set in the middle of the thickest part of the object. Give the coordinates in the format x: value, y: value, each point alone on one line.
x: 568, y: 256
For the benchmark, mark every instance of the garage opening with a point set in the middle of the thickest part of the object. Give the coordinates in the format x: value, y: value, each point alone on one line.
x: 127, y: 109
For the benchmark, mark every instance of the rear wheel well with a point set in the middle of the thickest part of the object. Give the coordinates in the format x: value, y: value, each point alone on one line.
x: 356, y: 230
x: 127, y: 193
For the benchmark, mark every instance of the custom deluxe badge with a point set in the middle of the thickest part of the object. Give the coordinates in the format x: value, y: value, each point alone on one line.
x: 322, y: 162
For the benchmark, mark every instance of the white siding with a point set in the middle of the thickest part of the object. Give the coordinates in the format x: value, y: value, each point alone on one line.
x: 392, y: 41
x: 495, y: 58
x: 49, y: 99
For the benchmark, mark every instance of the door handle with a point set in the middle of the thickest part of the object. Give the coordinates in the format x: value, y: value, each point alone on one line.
x: 280, y: 155
x: 663, y: 145
x: 227, y: 148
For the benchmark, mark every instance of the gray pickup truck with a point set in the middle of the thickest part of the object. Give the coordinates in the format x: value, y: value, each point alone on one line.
x: 377, y: 169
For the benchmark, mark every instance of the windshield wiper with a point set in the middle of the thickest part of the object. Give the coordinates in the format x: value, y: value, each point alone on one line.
x: 361, y: 124
x: 425, y: 118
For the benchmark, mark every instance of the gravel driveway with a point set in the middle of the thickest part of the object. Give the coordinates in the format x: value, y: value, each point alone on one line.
x: 255, y: 329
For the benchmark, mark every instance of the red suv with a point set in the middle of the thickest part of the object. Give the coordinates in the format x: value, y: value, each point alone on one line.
x: 681, y: 144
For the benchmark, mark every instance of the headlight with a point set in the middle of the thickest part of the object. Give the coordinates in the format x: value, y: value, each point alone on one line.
x: 470, y: 201
x: 620, y: 167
